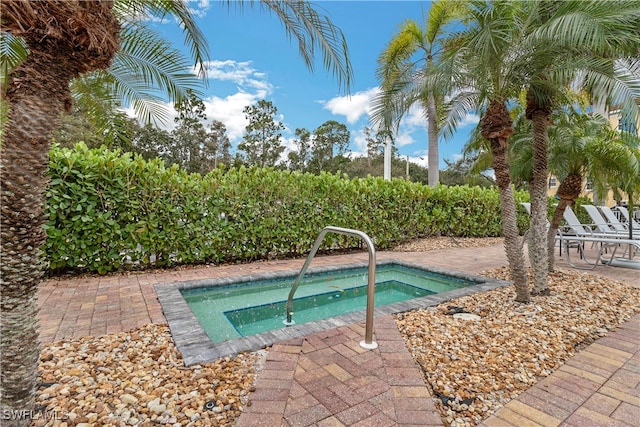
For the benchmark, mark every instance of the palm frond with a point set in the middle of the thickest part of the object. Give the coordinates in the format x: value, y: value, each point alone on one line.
x: 397, y: 54
x: 596, y: 25
x: 135, y: 12
x: 99, y: 104
x: 13, y: 50
x: 312, y: 30
x: 146, y: 70
x: 442, y: 15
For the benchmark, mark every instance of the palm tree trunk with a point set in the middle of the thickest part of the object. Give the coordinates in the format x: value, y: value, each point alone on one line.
x: 65, y: 39
x: 433, y: 159
x: 568, y: 192
x: 553, y: 228
x: 496, y: 128
x: 33, y: 117
x: 538, y: 191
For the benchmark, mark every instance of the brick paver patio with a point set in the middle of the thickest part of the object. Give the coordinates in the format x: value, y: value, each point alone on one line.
x: 326, y: 379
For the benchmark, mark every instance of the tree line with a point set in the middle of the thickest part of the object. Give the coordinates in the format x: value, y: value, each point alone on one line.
x: 199, y: 148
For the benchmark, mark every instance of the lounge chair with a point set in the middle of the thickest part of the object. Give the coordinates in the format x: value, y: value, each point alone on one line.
x: 604, y: 243
x: 604, y: 225
x: 625, y: 213
x: 577, y: 233
x: 615, y: 222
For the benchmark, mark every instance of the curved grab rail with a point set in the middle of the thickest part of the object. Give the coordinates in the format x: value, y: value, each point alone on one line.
x: 371, y: 283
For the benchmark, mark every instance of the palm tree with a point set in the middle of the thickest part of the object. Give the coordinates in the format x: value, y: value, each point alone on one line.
x: 490, y: 60
x: 580, y: 145
x: 62, y: 45
x: 67, y: 39
x: 562, y: 44
x: 406, y: 80
x: 536, y: 46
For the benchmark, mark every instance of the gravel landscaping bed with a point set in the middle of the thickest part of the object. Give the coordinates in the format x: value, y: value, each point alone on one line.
x: 472, y: 366
x: 475, y: 366
x: 139, y: 378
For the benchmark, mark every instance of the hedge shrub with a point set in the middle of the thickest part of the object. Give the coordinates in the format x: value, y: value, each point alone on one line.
x: 111, y: 211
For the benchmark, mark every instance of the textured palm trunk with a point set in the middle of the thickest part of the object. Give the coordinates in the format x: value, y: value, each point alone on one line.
x: 65, y: 39
x: 33, y: 117
x: 432, y: 129
x: 496, y: 128
x: 568, y: 191
x: 538, y: 190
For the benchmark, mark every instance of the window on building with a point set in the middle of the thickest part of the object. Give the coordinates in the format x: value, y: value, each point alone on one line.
x: 553, y: 182
x: 589, y: 185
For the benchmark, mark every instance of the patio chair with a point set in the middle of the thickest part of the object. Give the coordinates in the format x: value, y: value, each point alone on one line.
x: 613, y: 220
x: 603, y: 243
x: 625, y: 214
x: 604, y: 225
x: 575, y: 232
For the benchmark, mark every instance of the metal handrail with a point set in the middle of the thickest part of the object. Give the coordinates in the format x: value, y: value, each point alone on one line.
x: 371, y: 283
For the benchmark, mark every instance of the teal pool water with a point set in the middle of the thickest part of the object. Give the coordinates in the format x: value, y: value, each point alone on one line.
x: 247, y: 308
x: 267, y: 317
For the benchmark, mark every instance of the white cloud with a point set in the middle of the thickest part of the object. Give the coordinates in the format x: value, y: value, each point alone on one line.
x: 403, y: 138
x: 469, y: 120
x: 252, y: 87
x: 352, y: 107
x: 228, y: 110
x: 240, y: 73
x: 199, y: 8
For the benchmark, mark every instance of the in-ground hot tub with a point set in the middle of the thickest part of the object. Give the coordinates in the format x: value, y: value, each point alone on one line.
x: 219, y: 317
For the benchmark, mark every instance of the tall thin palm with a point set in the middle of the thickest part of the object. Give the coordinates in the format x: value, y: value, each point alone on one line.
x: 406, y: 70
x: 65, y: 40
x: 491, y: 62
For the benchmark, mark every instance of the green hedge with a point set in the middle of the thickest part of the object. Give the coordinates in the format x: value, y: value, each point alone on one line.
x: 109, y: 211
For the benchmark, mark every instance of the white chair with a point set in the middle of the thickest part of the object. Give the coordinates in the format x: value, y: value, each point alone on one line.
x: 612, y: 218
x: 615, y: 223
x: 604, y: 225
x: 625, y: 214
x: 577, y: 233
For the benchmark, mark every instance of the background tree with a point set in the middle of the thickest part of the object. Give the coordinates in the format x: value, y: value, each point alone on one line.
x: 330, y: 144
x: 150, y: 142
x: 189, y: 136
x: 261, y: 142
x: 299, y: 159
x: 408, y: 72
x: 461, y: 172
x: 374, y: 146
x: 74, y: 127
x: 217, y: 146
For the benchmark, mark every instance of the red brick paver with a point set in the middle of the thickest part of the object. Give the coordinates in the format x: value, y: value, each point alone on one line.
x: 337, y: 382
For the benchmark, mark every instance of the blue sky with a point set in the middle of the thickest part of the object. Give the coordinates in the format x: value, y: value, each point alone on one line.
x: 252, y: 59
